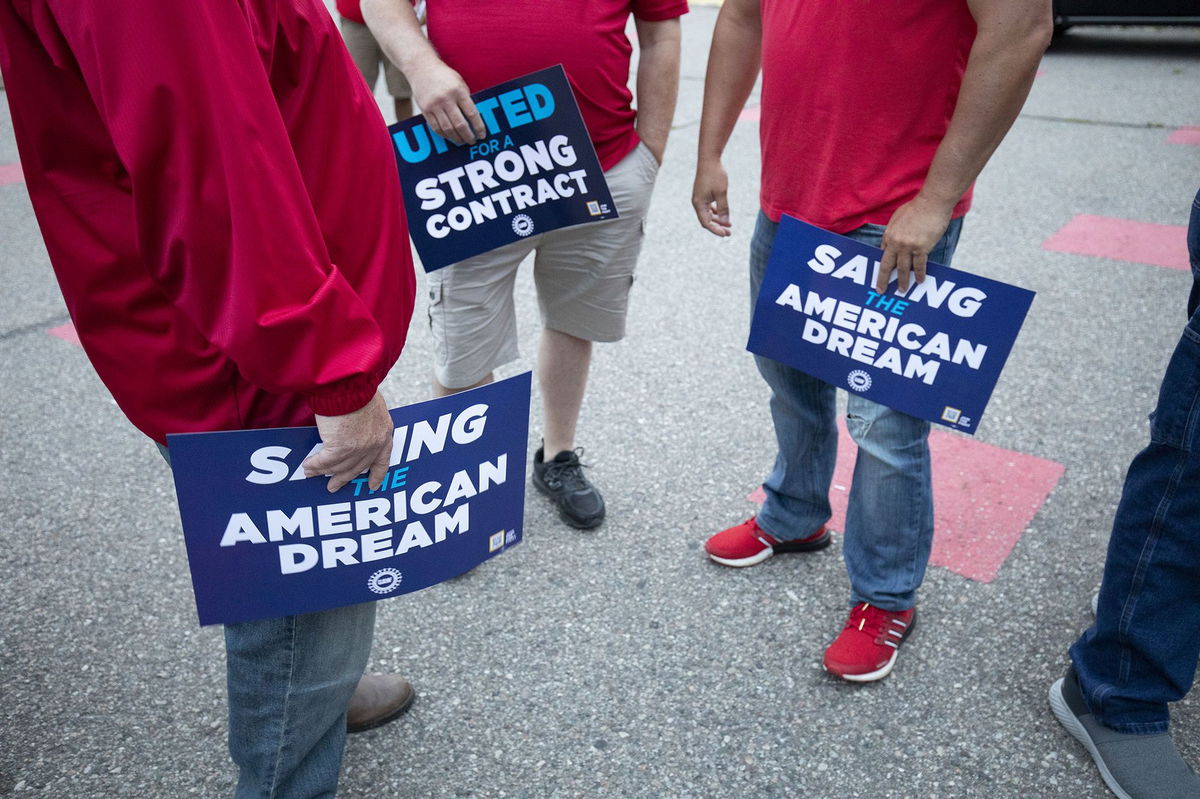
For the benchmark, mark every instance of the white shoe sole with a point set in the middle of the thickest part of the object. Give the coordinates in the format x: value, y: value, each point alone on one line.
x: 870, y: 676
x: 1065, y: 717
x: 739, y: 563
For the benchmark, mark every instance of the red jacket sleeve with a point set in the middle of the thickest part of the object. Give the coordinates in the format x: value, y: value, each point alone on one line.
x: 225, y: 224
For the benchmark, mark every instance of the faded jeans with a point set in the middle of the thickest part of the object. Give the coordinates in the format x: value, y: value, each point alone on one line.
x: 889, y: 522
x: 290, y: 681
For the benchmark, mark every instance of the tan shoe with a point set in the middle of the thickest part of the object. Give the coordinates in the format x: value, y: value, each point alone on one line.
x: 378, y: 699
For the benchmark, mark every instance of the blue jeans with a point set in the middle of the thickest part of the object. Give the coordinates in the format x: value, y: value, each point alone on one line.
x: 1142, y: 651
x: 889, y: 523
x: 290, y: 681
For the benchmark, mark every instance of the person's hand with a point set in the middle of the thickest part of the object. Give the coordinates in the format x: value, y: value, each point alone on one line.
x: 445, y: 100
x: 353, y: 443
x: 914, y: 229
x: 710, y: 197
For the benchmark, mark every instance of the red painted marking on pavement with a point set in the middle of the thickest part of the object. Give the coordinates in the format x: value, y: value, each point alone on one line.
x: 67, y: 333
x: 11, y: 173
x: 983, y: 499
x: 750, y: 114
x: 1185, y: 135
x: 1123, y: 240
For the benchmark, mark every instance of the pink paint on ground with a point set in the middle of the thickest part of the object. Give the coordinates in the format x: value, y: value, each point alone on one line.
x: 983, y: 499
x: 67, y: 333
x: 1123, y: 240
x: 11, y: 173
x: 1185, y: 135
x: 750, y: 114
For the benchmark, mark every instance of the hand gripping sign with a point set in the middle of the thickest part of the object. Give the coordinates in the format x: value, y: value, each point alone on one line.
x: 934, y: 352
x: 535, y: 171
x: 263, y: 541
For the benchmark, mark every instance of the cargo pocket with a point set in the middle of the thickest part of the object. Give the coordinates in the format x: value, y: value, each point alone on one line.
x: 437, y: 319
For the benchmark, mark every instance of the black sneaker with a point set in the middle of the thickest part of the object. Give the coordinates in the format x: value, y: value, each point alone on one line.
x: 578, y: 501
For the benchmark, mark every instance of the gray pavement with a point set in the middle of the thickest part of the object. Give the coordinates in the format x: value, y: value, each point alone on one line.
x: 620, y: 662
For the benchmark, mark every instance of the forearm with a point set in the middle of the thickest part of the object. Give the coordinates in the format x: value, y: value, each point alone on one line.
x: 999, y: 73
x: 657, y: 82
x: 441, y: 93
x: 395, y: 26
x: 733, y: 64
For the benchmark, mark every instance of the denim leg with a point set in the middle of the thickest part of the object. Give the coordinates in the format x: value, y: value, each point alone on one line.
x: 290, y: 680
x: 889, y: 520
x: 1142, y: 651
x: 803, y: 411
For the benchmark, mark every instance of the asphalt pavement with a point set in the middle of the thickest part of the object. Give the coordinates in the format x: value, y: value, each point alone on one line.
x: 621, y: 662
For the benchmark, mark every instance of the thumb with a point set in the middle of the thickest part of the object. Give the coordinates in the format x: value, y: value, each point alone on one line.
x: 318, y: 463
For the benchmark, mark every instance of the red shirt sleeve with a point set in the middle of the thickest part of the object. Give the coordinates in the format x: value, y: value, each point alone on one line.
x: 659, y: 10
x: 224, y: 222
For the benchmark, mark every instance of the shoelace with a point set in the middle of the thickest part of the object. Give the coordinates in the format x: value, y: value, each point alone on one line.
x: 568, y: 474
x: 881, y: 625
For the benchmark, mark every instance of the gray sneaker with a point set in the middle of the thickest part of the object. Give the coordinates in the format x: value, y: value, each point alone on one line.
x: 1133, y: 766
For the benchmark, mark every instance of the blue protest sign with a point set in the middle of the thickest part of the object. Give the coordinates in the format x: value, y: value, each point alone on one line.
x: 263, y: 541
x: 536, y: 171
x: 934, y: 352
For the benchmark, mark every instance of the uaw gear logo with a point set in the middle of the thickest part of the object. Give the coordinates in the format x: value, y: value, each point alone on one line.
x: 858, y: 380
x: 384, y: 581
x: 522, y: 225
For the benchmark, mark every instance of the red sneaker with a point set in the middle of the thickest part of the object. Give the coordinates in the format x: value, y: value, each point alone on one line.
x: 867, y: 648
x: 748, y: 544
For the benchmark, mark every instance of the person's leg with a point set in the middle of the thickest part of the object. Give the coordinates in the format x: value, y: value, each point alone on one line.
x: 1141, y: 653
x: 398, y: 88
x: 803, y: 411
x: 472, y: 317
x: 563, y: 362
x: 363, y: 49
x: 290, y: 681
x: 889, y: 519
x: 584, y: 275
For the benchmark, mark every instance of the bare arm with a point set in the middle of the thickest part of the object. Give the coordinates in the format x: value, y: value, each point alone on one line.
x: 657, y: 81
x: 733, y: 64
x: 1011, y: 37
x: 438, y: 90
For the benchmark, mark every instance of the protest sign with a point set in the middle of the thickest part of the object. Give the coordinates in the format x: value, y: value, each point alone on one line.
x: 934, y: 352
x: 263, y: 541
x: 535, y: 171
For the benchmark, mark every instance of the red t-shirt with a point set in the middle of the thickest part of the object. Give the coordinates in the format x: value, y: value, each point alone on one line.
x: 351, y: 10
x: 856, y: 97
x: 488, y: 43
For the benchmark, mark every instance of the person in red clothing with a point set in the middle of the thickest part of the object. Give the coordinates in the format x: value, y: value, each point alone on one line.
x: 876, y: 120
x: 583, y: 274
x: 228, y: 264
x: 369, y: 57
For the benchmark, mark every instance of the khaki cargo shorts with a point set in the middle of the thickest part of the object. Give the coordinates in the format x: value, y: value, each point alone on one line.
x: 583, y: 275
x: 368, y: 56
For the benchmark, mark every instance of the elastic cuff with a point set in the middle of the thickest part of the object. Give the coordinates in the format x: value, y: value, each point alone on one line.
x: 344, y: 397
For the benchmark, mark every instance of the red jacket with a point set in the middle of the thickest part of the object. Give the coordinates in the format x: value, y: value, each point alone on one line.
x: 220, y: 202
